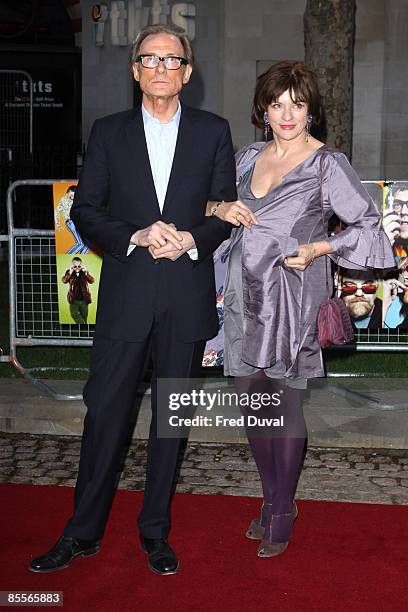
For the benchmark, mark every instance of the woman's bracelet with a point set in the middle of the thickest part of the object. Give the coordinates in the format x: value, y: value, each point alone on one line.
x: 215, y: 207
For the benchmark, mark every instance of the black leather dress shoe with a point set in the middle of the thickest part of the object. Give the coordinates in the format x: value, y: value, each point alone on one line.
x: 162, y: 559
x: 62, y: 553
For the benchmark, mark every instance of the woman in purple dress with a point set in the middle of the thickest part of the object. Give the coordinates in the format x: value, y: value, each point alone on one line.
x: 276, y: 278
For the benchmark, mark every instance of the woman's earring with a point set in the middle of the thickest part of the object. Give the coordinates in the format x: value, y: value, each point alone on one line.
x: 308, y: 124
x: 266, y: 126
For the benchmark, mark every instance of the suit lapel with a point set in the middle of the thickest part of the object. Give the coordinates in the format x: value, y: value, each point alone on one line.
x: 184, y: 151
x: 136, y: 140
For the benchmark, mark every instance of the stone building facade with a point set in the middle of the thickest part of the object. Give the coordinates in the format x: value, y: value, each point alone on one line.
x: 235, y: 40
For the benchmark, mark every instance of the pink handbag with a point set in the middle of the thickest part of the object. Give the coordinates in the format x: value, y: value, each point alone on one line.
x: 334, y: 324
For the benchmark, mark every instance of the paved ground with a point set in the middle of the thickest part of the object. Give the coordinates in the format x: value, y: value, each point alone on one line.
x: 366, y: 475
x: 336, y: 418
x: 358, y: 443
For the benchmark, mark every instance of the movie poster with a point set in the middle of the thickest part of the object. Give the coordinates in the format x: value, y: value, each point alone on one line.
x: 395, y: 223
x: 78, y: 267
x: 361, y: 290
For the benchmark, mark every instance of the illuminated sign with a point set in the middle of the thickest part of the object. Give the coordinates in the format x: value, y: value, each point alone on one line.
x: 128, y: 17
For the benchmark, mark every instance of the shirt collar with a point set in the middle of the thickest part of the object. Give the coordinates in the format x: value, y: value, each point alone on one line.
x: 363, y: 322
x: 148, y: 118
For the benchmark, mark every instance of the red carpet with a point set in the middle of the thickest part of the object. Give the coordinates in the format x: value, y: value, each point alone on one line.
x: 343, y: 556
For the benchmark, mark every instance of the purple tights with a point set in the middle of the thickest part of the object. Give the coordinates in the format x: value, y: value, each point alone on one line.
x: 278, y: 455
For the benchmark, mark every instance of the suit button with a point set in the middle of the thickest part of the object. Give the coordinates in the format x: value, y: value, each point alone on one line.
x: 157, y: 261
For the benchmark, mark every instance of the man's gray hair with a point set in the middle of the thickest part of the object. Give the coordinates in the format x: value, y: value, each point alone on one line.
x: 159, y: 28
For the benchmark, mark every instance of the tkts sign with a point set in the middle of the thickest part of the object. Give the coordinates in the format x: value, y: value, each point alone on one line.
x: 128, y: 17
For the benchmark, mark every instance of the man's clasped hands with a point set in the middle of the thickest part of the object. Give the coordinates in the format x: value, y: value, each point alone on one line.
x: 163, y: 240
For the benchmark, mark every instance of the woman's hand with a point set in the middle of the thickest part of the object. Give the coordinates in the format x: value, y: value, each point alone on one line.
x: 237, y: 213
x: 305, y: 256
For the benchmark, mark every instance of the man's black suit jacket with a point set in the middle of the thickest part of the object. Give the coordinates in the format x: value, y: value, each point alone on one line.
x: 116, y: 196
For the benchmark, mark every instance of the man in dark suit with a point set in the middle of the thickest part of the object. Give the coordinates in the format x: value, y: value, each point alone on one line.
x: 142, y: 198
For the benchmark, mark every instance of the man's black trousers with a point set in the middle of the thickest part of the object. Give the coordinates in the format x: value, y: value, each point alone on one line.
x: 117, y: 367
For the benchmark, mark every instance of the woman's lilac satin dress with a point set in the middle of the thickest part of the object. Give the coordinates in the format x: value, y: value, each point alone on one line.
x: 271, y: 311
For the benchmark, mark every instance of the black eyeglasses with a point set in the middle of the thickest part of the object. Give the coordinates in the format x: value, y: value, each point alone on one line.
x: 399, y: 203
x: 171, y: 62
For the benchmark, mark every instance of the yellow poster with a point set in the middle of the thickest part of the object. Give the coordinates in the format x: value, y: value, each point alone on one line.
x: 78, y: 266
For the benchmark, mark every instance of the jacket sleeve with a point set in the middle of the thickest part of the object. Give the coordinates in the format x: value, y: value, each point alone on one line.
x: 211, y: 232
x: 89, y: 278
x: 67, y: 277
x: 363, y: 244
x: 89, y: 209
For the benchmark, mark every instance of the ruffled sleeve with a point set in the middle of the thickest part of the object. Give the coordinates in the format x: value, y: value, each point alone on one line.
x: 363, y: 244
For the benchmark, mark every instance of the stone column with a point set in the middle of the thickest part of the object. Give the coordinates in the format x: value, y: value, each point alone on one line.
x: 329, y: 36
x: 395, y: 105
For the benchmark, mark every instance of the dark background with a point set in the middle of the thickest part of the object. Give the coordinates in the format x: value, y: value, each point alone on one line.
x: 37, y: 36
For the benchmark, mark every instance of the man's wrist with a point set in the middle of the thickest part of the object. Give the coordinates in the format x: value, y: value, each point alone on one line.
x: 190, y: 241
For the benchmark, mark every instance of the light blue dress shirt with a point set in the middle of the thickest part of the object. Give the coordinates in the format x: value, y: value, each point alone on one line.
x: 362, y: 323
x: 161, y: 141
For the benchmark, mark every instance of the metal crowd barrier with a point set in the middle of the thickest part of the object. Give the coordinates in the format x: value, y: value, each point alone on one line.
x: 33, y: 294
x: 34, y: 317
